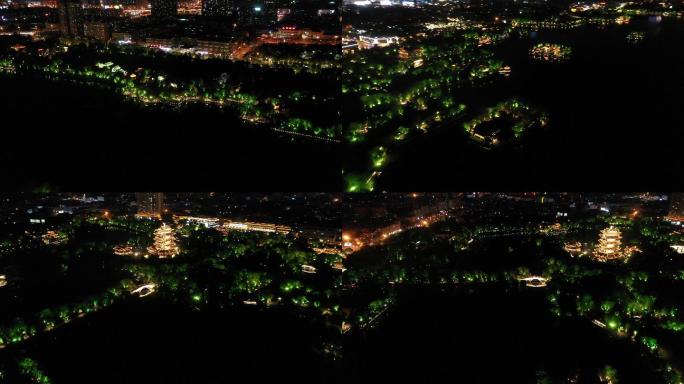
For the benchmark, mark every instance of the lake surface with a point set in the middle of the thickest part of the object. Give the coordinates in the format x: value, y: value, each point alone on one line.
x: 614, y: 105
x: 74, y: 137
x: 487, y: 334
x: 152, y: 341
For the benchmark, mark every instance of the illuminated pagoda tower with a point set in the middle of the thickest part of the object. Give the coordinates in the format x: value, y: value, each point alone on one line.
x: 609, y: 245
x: 164, y: 243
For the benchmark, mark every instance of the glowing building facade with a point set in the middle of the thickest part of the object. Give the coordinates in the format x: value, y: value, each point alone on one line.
x: 256, y: 227
x: 150, y: 203
x: 368, y: 42
x: 609, y: 245
x: 217, y: 8
x: 165, y: 244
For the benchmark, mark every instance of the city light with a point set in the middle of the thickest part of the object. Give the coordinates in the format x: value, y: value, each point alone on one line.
x: 609, y: 245
x: 550, y: 52
x: 165, y: 244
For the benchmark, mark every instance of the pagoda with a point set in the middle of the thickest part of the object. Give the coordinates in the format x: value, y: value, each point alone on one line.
x: 164, y: 243
x: 609, y: 245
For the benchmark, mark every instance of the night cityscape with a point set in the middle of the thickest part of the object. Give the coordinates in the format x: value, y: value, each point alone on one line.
x: 242, y: 86
x: 169, y: 288
x: 313, y: 261
x: 323, y: 287
x: 441, y: 93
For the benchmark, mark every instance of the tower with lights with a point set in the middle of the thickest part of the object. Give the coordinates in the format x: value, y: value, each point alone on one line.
x: 609, y: 245
x: 165, y: 244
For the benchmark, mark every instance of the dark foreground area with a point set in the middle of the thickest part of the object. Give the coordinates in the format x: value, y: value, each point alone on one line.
x: 152, y: 341
x: 612, y: 105
x: 490, y: 334
x: 67, y: 137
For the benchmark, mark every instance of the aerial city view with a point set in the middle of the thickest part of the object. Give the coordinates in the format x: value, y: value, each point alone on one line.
x: 351, y: 95
x: 247, y: 86
x: 416, y: 287
x: 313, y: 262
x: 486, y: 91
x: 169, y: 288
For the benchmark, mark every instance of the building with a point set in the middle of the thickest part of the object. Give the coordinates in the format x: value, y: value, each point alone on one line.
x: 150, y: 203
x: 211, y: 48
x: 368, y: 42
x: 122, y: 37
x: 207, y: 222
x: 676, y: 211
x: 165, y: 244
x: 217, y: 8
x: 71, y: 18
x: 282, y: 13
x: 98, y: 31
x: 290, y: 34
x: 214, y: 48
x: 256, y: 227
x: 254, y: 13
x: 573, y: 248
x: 609, y: 245
x: 164, y: 9
x: 405, y: 54
x: 160, y: 43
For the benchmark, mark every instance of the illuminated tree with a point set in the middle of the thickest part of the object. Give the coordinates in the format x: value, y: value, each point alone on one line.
x: 609, y: 374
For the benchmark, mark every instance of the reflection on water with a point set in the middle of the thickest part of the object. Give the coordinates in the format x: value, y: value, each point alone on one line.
x: 655, y: 19
x: 655, y: 25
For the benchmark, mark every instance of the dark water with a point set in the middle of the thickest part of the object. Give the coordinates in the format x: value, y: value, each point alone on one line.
x: 615, y: 111
x: 150, y: 341
x: 72, y: 137
x: 487, y: 335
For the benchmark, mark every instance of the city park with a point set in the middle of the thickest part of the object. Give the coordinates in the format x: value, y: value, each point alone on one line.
x: 428, y: 82
x: 399, y: 98
x: 616, y: 278
x: 149, y: 78
x: 185, y: 265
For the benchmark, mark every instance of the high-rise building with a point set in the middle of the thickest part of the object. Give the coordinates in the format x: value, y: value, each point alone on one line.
x: 98, y: 31
x: 150, y: 203
x: 676, y: 211
x: 217, y: 8
x: 164, y: 9
x: 71, y: 18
